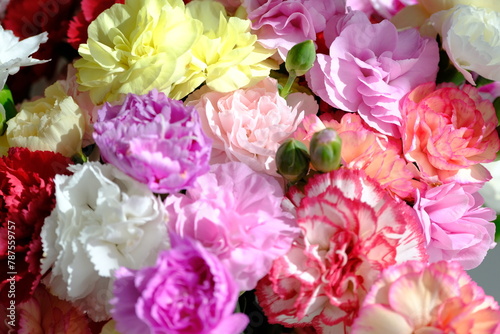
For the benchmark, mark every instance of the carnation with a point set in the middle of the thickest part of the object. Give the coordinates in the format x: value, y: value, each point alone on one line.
x: 416, y: 297
x: 154, y: 139
x: 52, y: 123
x: 26, y: 199
x: 235, y: 213
x: 102, y: 220
x: 448, y: 131
x: 370, y: 67
x: 248, y: 125
x: 351, y: 230
x: 456, y: 226
x: 187, y: 291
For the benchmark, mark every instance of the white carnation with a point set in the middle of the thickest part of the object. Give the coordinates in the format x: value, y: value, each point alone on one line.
x: 470, y: 37
x: 103, y: 219
x: 15, y: 53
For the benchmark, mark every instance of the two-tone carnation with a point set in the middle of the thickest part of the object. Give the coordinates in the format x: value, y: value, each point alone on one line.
x: 351, y: 230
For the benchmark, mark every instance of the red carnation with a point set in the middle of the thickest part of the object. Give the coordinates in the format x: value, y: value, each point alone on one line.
x: 77, y: 32
x: 26, y: 198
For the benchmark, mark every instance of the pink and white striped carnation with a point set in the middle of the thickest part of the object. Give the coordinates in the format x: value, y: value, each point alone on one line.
x: 351, y: 230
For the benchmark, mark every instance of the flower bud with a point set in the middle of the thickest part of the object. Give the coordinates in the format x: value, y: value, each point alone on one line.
x: 7, y: 109
x: 325, y: 148
x: 301, y: 58
x: 292, y: 160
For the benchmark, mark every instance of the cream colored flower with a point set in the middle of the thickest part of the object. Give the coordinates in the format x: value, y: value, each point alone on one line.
x: 227, y: 56
x: 52, y: 123
x: 135, y: 47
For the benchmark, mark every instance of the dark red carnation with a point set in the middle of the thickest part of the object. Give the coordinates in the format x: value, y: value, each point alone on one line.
x: 77, y: 32
x: 26, y: 198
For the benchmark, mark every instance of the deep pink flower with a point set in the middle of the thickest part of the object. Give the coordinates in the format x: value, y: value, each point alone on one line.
x: 448, y: 131
x: 455, y: 224
x: 154, y: 139
x: 236, y: 214
x: 415, y: 297
x: 351, y: 230
x: 187, y: 291
x: 370, y: 67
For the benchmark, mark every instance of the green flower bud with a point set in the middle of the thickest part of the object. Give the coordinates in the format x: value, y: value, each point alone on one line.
x: 301, y: 58
x: 325, y: 148
x: 8, y: 109
x: 292, y: 160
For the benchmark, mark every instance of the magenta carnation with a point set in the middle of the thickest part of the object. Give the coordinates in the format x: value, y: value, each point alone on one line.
x: 455, y: 224
x: 187, y: 291
x: 154, y: 139
x: 235, y: 213
x: 370, y: 67
x: 351, y: 230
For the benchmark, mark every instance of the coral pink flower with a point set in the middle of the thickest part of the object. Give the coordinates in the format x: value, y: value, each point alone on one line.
x: 455, y: 224
x: 351, y: 230
x: 248, y: 125
x: 448, y: 132
x: 416, y: 297
x: 370, y: 67
x: 380, y: 156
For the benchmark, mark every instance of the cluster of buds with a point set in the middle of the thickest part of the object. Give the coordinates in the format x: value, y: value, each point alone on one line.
x: 294, y: 160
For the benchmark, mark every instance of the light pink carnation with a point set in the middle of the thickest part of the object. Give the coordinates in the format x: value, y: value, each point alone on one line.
x: 455, y: 224
x: 280, y: 24
x: 416, y: 297
x: 448, y: 131
x: 248, y: 125
x: 351, y: 230
x: 382, y: 8
x: 370, y: 67
x: 236, y: 213
x: 380, y: 156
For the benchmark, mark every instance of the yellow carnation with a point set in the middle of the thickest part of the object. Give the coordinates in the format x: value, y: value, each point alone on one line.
x: 135, y: 47
x: 226, y: 56
x: 53, y: 123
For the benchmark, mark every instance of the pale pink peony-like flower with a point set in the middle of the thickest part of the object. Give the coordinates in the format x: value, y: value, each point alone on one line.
x: 370, y: 67
x: 380, y: 156
x: 280, y: 24
x: 455, y: 224
x: 351, y: 230
x: 236, y: 214
x: 248, y: 125
x: 448, y: 131
x: 415, y: 297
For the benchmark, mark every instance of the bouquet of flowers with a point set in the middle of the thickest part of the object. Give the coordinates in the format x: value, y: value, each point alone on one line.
x: 256, y: 166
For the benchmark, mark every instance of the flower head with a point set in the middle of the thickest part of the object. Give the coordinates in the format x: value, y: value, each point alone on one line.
x: 15, y: 53
x: 415, y: 297
x: 154, y: 139
x: 370, y: 67
x: 248, y: 125
x: 187, y: 291
x: 456, y: 226
x: 27, y: 196
x: 235, y: 213
x: 135, y: 47
x: 102, y: 220
x: 52, y: 123
x: 351, y: 230
x: 448, y: 131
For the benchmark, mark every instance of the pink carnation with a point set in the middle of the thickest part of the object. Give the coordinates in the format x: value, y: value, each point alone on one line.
x: 455, y: 224
x: 280, y: 24
x: 370, y: 67
x: 448, y: 131
x: 380, y: 156
x: 351, y: 230
x: 248, y: 125
x: 235, y: 213
x: 380, y: 8
x: 416, y: 297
